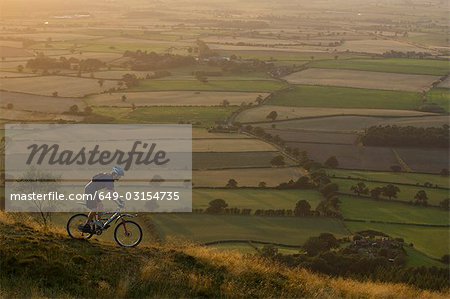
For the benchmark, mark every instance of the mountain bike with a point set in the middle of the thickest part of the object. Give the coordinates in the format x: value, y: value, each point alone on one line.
x: 127, y: 233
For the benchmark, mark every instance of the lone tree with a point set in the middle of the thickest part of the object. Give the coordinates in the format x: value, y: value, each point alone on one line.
x: 376, y: 192
x: 124, y: 98
x: 421, y: 198
x: 277, y: 161
x: 445, y: 204
x: 201, y: 77
x: 231, y: 183
x: 20, y: 68
x: 302, y: 208
x: 39, y: 182
x: 444, y: 172
x: 55, y: 94
x: 272, y: 115
x: 329, y: 190
x: 262, y: 185
x: 74, y: 109
x: 88, y: 110
x: 324, y: 242
x: 259, y: 99
x: 101, y: 82
x: 332, y: 162
x: 130, y: 80
x: 390, y: 191
x: 360, y: 188
x: 225, y: 103
x: 216, y: 206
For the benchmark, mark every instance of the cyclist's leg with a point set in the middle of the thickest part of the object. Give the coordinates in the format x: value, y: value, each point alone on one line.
x: 92, y: 205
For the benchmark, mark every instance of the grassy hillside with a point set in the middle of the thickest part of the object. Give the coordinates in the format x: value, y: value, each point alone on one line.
x: 208, y: 228
x: 91, y: 269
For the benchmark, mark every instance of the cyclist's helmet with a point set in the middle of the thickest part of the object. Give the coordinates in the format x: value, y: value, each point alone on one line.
x: 118, y: 171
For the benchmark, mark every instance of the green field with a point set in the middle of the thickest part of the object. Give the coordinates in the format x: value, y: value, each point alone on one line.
x: 345, y: 97
x: 391, y: 65
x: 395, y: 177
x: 122, y: 47
x: 213, y: 85
x: 208, y: 228
x: 255, y: 198
x: 419, y: 259
x: 441, y: 97
x: 433, y: 241
x: 407, y: 193
x: 368, y: 209
x: 220, y: 160
x: 207, y: 116
x: 297, y: 58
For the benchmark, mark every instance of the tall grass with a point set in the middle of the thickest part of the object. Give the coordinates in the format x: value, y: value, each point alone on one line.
x: 42, y: 262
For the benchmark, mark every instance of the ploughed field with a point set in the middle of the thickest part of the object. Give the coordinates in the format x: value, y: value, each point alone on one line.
x: 64, y: 86
x: 323, y: 137
x: 226, y: 160
x: 390, y: 65
x: 363, y: 79
x: 38, y: 103
x: 355, y: 123
x: 286, y: 113
x: 246, y: 176
x: 174, y: 98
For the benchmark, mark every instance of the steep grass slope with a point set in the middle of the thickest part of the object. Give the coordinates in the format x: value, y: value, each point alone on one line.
x: 38, y: 262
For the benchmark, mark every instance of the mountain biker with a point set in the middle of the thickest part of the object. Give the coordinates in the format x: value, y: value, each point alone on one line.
x: 99, y: 182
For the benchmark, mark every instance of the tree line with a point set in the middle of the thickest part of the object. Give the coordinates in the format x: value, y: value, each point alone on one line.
x: 407, y: 54
x: 368, y: 255
x: 390, y: 191
x: 406, y: 136
x: 144, y: 61
x: 42, y: 62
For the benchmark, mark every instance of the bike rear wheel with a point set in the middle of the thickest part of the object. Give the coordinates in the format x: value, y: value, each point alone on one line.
x: 73, y: 227
x: 128, y: 234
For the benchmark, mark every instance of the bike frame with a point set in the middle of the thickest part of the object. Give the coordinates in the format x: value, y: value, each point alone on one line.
x: 116, y: 216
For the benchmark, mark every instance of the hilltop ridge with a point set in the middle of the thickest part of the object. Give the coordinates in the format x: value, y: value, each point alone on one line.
x: 39, y: 262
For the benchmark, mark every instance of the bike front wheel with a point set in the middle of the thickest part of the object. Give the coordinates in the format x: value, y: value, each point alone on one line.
x: 73, y: 226
x: 128, y: 234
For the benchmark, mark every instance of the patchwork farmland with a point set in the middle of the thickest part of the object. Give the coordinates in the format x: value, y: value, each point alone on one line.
x: 282, y: 99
